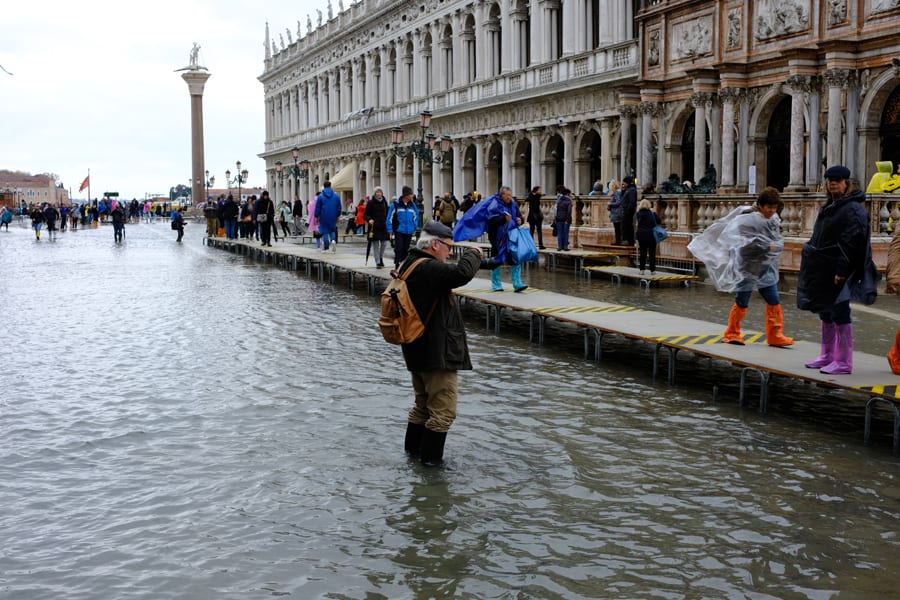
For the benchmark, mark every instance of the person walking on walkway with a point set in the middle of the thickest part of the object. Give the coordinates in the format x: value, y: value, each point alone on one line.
x: 647, y: 220
x: 177, y: 220
x: 211, y: 214
x: 402, y: 220
x: 328, y: 211
x: 833, y: 270
x: 51, y: 217
x: 118, y: 221
x: 497, y: 215
x: 297, y: 216
x: 629, y: 207
x: 756, y: 243
x: 535, y: 216
x: 6, y: 216
x: 435, y: 358
x: 563, y: 219
x: 230, y: 212
x: 284, y: 218
x: 375, y: 217
x: 264, y: 211
x: 614, y: 206
x: 37, y: 221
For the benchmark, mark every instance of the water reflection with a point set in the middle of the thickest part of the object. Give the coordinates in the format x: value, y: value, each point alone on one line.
x: 180, y: 422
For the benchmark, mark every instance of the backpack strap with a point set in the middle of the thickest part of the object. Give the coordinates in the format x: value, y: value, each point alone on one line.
x: 406, y: 273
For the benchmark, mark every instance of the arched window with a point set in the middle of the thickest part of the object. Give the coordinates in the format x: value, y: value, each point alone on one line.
x: 890, y: 128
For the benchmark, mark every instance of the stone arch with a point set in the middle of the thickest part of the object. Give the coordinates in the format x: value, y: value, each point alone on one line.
x: 521, y: 167
x: 469, y: 168
x: 493, y: 167
x: 872, y: 143
x: 587, y: 160
x: 758, y: 142
x: 470, y: 52
x: 552, y: 162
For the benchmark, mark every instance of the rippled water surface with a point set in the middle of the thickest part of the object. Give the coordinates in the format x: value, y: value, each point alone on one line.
x: 181, y: 422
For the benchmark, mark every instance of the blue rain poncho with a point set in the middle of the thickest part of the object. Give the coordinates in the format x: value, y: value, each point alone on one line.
x: 741, y: 250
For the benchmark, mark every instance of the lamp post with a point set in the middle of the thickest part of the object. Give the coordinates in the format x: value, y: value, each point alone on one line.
x: 422, y: 149
x: 299, y: 170
x: 210, y: 181
x: 239, y: 178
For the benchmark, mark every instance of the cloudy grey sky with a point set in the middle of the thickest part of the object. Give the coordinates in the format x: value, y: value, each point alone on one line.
x: 94, y: 87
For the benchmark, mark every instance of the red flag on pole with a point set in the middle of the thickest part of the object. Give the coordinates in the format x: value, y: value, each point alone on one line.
x: 85, y: 183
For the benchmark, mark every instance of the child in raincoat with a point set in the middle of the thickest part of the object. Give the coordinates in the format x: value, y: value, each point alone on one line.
x: 741, y: 252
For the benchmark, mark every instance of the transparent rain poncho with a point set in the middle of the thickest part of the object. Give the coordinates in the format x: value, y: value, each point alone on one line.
x: 741, y: 250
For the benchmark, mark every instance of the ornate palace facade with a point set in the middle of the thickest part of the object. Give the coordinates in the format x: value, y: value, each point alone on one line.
x: 569, y: 91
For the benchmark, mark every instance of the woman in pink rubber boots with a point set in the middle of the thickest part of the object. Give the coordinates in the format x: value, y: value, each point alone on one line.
x: 833, y: 269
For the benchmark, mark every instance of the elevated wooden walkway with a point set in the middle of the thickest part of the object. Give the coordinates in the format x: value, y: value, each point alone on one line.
x: 668, y: 334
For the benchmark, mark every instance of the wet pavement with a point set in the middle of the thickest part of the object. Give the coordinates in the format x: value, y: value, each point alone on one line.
x: 182, y: 422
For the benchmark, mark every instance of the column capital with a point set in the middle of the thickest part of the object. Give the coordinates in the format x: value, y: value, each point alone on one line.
x: 627, y: 111
x: 837, y: 77
x: 800, y: 84
x: 701, y: 99
x: 730, y: 95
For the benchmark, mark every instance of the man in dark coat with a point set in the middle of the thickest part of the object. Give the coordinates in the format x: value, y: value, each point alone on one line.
x: 628, y: 206
x: 434, y: 359
x: 264, y: 215
x: 535, y: 216
x: 230, y: 212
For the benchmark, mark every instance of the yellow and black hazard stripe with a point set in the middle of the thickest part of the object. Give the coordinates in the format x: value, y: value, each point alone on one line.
x: 888, y: 391
x: 707, y: 338
x: 588, y: 310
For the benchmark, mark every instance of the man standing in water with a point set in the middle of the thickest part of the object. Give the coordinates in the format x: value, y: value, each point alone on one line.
x: 434, y: 359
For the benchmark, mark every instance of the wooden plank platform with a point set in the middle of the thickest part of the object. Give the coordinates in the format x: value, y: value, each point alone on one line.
x: 617, y: 274
x: 668, y: 334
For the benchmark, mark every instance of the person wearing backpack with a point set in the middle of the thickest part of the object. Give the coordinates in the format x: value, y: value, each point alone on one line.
x: 434, y: 359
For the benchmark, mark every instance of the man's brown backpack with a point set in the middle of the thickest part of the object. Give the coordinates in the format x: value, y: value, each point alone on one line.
x: 399, y: 321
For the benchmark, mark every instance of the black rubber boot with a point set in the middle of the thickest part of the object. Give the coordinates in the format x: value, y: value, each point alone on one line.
x: 433, y: 447
x: 413, y: 442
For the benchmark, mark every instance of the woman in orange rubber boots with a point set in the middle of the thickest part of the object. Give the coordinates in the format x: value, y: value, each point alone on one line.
x: 741, y: 252
x: 893, y: 287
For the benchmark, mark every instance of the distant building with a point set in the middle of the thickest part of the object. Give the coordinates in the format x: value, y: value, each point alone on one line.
x: 32, y: 188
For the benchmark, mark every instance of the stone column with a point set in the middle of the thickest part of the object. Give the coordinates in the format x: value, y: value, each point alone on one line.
x: 626, y: 116
x: 511, y: 43
x: 568, y: 135
x: 534, y: 136
x: 853, y: 93
x: 648, y: 109
x: 569, y: 33
x: 799, y: 86
x: 482, y: 48
x: 662, y: 155
x: 458, y: 149
x: 459, y: 55
x: 478, y: 167
x: 814, y: 148
x: 745, y: 98
x: 728, y: 96
x: 715, y: 146
x: 195, y: 78
x: 699, y: 100
x: 835, y: 79
x: 303, y: 108
x: 506, y: 159
x: 538, y: 39
x: 606, y: 154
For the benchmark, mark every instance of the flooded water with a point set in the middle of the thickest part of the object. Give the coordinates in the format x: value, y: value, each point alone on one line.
x: 181, y: 422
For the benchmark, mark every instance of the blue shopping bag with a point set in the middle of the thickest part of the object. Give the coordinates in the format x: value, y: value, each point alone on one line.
x: 521, y: 245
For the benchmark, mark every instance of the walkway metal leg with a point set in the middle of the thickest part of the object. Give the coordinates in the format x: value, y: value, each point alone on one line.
x: 895, y: 407
x: 673, y: 352
x: 598, y: 345
x: 764, y: 377
x: 541, y: 320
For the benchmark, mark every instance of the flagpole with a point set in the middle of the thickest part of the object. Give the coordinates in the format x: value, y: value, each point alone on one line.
x: 89, y: 187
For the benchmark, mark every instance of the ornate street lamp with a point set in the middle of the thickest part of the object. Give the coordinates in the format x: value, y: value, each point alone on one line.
x: 426, y: 148
x: 299, y: 170
x: 210, y: 181
x: 239, y: 178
